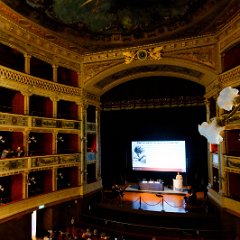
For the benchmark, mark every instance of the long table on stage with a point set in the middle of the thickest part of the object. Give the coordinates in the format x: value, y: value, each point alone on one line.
x: 153, y: 186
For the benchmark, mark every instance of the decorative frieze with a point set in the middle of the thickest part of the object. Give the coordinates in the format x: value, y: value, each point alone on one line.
x: 205, y: 55
x: 13, y: 120
x: 70, y: 158
x: 12, y: 165
x: 92, y: 69
x: 46, y: 161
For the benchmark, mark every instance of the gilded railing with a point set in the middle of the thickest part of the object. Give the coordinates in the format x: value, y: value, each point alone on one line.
x: 9, y: 166
x: 31, y: 81
x: 13, y: 119
x: 231, y: 75
x: 10, y: 119
x: 55, y: 123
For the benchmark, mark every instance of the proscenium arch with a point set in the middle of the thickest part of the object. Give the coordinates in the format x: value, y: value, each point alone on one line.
x: 178, y: 68
x: 147, y: 75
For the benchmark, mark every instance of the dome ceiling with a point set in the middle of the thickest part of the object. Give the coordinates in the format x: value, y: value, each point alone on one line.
x: 98, y: 25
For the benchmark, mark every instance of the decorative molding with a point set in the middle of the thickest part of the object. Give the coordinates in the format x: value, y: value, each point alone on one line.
x: 230, y: 77
x: 21, y: 31
x: 143, y: 54
x: 205, y: 55
x: 27, y: 83
x: 92, y: 69
x: 150, y: 68
x: 229, y: 34
x: 89, y: 97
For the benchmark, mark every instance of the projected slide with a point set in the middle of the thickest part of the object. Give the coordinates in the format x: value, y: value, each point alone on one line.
x: 165, y: 156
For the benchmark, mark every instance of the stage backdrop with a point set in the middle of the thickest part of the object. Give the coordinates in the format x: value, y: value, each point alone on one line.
x: 119, y: 128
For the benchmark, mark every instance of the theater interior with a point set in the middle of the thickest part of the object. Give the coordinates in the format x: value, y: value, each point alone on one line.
x: 121, y: 117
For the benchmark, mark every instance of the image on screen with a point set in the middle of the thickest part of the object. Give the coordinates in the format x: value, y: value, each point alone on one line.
x: 162, y: 156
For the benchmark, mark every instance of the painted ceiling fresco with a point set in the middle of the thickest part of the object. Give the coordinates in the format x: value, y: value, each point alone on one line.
x: 105, y: 23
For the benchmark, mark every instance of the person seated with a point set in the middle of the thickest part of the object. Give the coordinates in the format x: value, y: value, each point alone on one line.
x: 18, y: 152
x: 87, y: 234
x: 179, y: 176
x: 95, y: 235
x: 103, y: 236
x: 6, y: 153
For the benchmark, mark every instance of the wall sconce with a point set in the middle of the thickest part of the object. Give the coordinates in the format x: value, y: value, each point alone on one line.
x: 60, y: 139
x: 59, y: 176
x: 32, y: 181
x: 32, y: 139
x: 228, y: 100
x: 2, y: 140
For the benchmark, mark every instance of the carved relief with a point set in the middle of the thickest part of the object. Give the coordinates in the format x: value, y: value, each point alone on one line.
x: 205, y: 55
x: 91, y: 70
x: 143, y: 54
x: 229, y: 40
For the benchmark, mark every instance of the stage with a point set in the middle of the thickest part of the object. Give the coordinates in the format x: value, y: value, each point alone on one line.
x: 166, y: 190
x: 134, y: 198
x: 166, y: 212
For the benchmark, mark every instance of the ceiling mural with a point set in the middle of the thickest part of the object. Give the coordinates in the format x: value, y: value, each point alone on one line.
x: 124, y: 16
x: 107, y: 23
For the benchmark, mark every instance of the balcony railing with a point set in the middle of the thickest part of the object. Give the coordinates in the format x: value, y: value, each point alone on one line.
x: 34, y: 82
x: 9, y: 119
x: 15, y: 165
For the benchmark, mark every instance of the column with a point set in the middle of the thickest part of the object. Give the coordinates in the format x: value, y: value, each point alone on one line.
x: 54, y: 103
x: 54, y: 142
x: 26, y: 96
x: 25, y: 142
x: 83, y: 144
x: 223, y: 187
x: 54, y: 179
x: 79, y: 81
x: 25, y: 185
x: 98, y: 153
x: 27, y: 59
x: 55, y: 75
x: 210, y: 177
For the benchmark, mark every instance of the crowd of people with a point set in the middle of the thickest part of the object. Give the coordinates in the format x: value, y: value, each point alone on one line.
x: 9, y: 153
x: 78, y: 234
